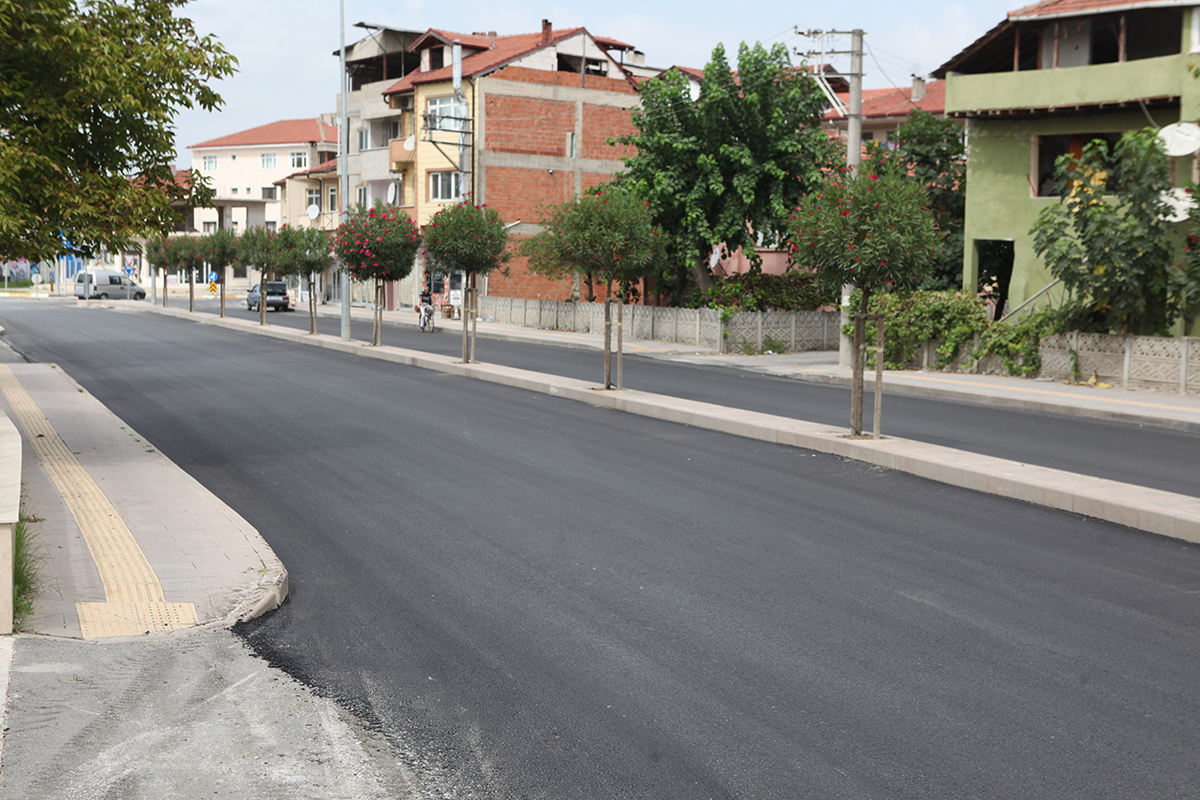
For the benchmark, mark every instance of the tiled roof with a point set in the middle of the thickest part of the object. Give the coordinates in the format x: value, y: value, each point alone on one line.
x: 319, y: 169
x: 507, y: 49
x: 285, y: 131
x: 1063, y: 8
x: 608, y: 43
x: 477, y: 41
x: 877, y: 103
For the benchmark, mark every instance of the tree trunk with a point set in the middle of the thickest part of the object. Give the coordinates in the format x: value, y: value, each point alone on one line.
x: 377, y: 334
x: 224, y: 273
x: 164, y: 287
x: 192, y: 289
x: 701, y: 274
x: 262, y: 297
x: 312, y: 303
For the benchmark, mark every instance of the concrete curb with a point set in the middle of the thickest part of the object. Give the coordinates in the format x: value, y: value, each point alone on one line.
x: 893, y: 387
x: 1150, y: 510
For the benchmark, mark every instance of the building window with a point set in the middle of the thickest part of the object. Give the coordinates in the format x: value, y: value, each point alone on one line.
x: 362, y: 195
x: 233, y: 190
x: 210, y: 227
x: 393, y: 129
x: 233, y: 156
x: 299, y: 159
x: 333, y: 198
x: 272, y: 225
x: 437, y: 57
x: 447, y: 114
x: 364, y: 138
x: 208, y: 163
x: 313, y: 198
x: 445, y: 186
x: 267, y: 160
x: 269, y: 193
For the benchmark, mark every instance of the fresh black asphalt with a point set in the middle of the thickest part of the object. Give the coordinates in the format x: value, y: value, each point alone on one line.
x: 534, y: 598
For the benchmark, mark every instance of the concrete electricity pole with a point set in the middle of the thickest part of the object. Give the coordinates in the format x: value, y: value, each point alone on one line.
x: 343, y: 171
x: 853, y: 139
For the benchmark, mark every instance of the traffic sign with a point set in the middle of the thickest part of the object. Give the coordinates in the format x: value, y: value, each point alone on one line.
x: 212, y: 287
x: 212, y: 277
x: 129, y: 272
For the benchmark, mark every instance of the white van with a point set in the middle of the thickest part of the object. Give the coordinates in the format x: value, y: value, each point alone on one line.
x: 105, y: 284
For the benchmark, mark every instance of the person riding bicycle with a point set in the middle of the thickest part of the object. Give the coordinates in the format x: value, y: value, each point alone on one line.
x: 425, y: 305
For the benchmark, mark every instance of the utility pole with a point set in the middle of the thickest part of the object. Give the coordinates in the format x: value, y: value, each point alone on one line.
x: 853, y: 148
x: 343, y: 172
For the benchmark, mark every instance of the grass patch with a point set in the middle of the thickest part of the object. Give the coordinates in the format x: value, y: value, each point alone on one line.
x: 27, y: 560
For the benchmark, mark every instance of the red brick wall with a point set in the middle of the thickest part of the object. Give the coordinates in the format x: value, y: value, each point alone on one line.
x: 601, y: 122
x: 527, y: 75
x: 519, y: 193
x: 528, y: 125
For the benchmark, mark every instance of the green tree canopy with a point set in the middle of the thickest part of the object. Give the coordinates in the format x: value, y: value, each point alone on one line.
x: 732, y: 165
x: 253, y: 250
x: 608, y: 235
x: 1110, y: 241
x: 88, y: 94
x: 307, y: 252
x: 871, y: 229
x: 377, y: 243
x: 220, y: 249
x: 467, y: 238
x: 934, y: 151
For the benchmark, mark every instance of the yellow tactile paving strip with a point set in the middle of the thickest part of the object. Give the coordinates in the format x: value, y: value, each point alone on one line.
x: 134, y: 596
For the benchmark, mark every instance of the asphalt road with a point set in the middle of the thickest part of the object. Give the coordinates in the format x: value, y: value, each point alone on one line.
x: 533, y: 598
x: 1140, y: 455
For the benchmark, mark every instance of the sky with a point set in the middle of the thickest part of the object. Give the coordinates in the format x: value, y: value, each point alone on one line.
x: 288, y: 64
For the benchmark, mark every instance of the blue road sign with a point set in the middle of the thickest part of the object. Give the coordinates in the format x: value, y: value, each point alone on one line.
x: 212, y: 277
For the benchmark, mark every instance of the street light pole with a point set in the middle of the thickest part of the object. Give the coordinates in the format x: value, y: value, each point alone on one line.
x: 343, y: 170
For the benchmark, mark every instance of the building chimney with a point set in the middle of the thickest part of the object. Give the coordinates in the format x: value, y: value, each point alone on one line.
x: 492, y: 36
x: 546, y: 29
x: 918, y: 90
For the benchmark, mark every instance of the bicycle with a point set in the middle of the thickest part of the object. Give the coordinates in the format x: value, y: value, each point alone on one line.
x: 426, y: 318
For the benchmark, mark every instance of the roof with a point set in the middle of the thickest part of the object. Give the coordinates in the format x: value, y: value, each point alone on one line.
x: 506, y: 50
x: 1071, y: 8
x: 478, y: 41
x: 319, y: 169
x: 894, y: 102
x: 284, y: 131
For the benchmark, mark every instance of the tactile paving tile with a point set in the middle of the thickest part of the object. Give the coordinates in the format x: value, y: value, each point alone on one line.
x: 97, y: 620
x: 131, y: 587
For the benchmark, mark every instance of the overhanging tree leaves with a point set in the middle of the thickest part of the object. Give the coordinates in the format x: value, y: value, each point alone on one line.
x: 88, y: 96
x: 871, y: 229
x: 1109, y: 239
x: 733, y: 164
x: 471, y: 239
x: 379, y: 244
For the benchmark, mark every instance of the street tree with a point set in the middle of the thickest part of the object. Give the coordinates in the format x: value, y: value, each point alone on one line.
x: 727, y: 169
x: 867, y: 228
x: 608, y: 235
x: 254, y: 253
x: 306, y: 252
x: 377, y: 244
x: 1110, y: 241
x: 220, y: 252
x: 156, y: 257
x: 88, y: 96
x: 470, y: 239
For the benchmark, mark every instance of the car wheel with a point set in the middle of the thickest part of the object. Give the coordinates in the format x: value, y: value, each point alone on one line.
x: 140, y: 296
x: 103, y: 297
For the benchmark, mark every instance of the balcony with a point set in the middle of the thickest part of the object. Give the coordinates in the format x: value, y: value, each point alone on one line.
x: 1092, y: 86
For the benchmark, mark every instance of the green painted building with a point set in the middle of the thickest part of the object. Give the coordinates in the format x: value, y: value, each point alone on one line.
x: 1042, y: 83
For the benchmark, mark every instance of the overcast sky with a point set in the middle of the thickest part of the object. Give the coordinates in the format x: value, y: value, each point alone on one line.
x: 288, y: 66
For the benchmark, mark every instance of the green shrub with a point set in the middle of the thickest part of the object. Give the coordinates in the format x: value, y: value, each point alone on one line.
x: 27, y: 559
x: 912, y: 318
x: 796, y: 290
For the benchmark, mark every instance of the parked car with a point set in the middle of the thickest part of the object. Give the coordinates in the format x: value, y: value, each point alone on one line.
x: 103, y: 284
x: 277, y: 296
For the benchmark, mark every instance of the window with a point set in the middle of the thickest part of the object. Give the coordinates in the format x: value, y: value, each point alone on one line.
x: 447, y: 114
x: 437, y: 57
x: 208, y: 163
x: 393, y: 129
x: 299, y: 159
x: 233, y: 190
x: 267, y: 160
x: 1050, y: 148
x: 210, y: 227
x: 313, y: 198
x: 233, y: 156
x: 362, y: 195
x: 445, y: 186
x: 333, y: 198
x: 269, y: 193
x: 364, y: 138
x: 271, y: 225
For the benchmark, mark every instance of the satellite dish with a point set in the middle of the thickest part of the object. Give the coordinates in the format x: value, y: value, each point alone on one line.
x: 1180, y: 139
x: 391, y: 195
x: 1179, y: 205
x: 313, y: 211
x: 410, y: 143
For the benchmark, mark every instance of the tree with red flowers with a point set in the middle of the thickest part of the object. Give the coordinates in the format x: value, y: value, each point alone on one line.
x: 471, y: 239
x: 871, y: 229
x: 379, y: 244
